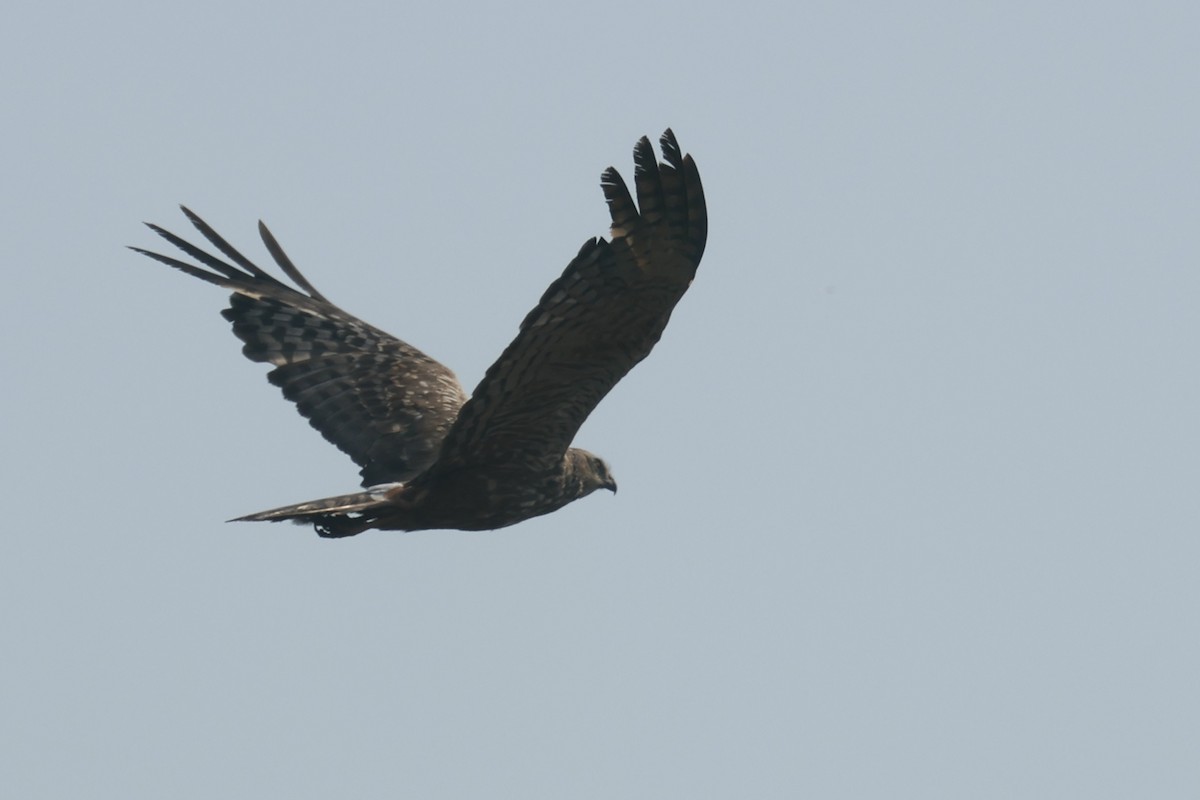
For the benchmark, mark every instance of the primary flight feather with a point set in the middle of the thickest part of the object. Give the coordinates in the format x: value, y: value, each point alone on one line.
x: 430, y: 456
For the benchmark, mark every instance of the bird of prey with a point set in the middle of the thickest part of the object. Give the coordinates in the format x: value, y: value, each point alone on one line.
x: 431, y: 457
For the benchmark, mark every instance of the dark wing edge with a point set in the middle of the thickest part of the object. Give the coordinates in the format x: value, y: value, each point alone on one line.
x: 667, y: 230
x: 594, y: 323
x: 381, y: 401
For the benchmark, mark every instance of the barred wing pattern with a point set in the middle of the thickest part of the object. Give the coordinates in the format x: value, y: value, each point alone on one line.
x: 598, y: 320
x: 384, y: 403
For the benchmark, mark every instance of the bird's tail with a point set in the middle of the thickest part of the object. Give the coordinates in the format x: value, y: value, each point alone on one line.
x: 343, y: 515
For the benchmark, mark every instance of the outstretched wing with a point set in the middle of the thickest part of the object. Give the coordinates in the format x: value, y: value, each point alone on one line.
x: 384, y: 403
x: 599, y: 319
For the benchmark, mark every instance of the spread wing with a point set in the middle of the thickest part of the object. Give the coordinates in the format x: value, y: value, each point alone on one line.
x: 381, y: 401
x: 599, y: 319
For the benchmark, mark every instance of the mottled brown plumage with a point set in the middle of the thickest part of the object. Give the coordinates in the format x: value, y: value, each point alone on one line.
x: 431, y: 457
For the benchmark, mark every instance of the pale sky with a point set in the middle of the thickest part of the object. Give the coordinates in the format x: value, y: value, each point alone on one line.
x: 908, y: 500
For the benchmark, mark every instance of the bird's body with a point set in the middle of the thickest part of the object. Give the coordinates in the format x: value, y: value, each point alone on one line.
x: 431, y: 457
x: 472, y: 499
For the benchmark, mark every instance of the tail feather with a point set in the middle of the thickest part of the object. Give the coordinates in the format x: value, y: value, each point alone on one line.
x: 328, y: 508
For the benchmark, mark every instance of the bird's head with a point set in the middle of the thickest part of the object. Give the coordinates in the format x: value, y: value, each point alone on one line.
x: 591, y: 471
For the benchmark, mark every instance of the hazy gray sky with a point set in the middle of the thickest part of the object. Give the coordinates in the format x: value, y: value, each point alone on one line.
x: 908, y: 500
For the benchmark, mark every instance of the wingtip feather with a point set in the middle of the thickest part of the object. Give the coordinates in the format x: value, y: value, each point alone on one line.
x: 670, y: 148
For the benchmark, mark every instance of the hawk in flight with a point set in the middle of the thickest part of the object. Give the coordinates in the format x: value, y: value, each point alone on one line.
x: 431, y: 457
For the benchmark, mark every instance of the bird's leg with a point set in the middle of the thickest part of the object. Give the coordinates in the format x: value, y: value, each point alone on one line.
x: 340, y: 527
